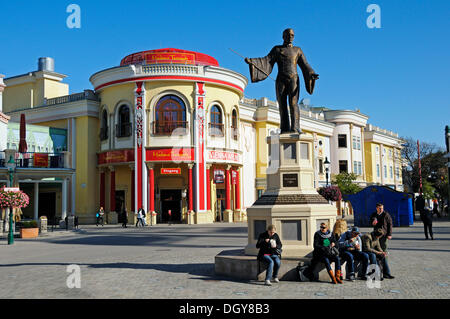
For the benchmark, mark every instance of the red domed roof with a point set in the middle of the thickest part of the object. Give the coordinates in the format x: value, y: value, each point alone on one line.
x: 169, y: 55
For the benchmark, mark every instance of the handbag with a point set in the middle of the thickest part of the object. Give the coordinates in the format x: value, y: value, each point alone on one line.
x: 333, y: 252
x: 278, y: 251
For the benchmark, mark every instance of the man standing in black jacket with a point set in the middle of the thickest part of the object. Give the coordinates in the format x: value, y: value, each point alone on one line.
x: 427, y: 218
x: 382, y: 219
x: 269, y: 245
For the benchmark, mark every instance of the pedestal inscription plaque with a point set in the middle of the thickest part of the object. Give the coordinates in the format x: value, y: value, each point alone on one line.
x: 290, y: 180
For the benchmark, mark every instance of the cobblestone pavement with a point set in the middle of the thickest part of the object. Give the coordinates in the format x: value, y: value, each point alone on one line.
x: 178, y: 262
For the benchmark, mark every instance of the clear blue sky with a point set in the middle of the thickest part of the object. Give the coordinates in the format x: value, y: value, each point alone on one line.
x: 399, y: 75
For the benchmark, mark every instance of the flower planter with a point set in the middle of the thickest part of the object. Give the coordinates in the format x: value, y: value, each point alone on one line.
x: 29, y: 232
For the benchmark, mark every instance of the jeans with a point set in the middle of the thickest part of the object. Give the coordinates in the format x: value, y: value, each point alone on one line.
x: 139, y: 221
x: 327, y: 261
x: 98, y: 221
x: 274, y: 264
x: 383, y: 262
x: 351, y: 255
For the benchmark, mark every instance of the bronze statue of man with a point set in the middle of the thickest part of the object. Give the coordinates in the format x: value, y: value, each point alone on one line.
x: 287, y: 57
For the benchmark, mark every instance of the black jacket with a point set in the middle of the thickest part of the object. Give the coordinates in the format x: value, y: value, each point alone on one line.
x: 426, y: 216
x: 320, y: 248
x: 265, y: 248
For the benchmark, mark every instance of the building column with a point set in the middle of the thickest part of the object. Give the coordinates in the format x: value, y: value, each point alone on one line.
x: 208, y: 187
x: 237, y: 190
x: 112, y: 195
x: 64, y: 200
x: 191, y: 188
x: 102, y: 189
x: 151, y: 182
x: 36, y: 201
x: 228, y: 214
x: 227, y: 189
x: 133, y: 191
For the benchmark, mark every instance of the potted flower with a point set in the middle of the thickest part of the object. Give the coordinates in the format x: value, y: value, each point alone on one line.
x: 15, y: 200
x: 331, y: 193
x: 29, y: 229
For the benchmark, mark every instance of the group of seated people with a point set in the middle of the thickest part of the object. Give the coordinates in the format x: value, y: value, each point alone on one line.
x: 339, y: 246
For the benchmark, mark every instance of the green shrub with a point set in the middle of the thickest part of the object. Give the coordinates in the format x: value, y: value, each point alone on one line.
x: 29, y: 224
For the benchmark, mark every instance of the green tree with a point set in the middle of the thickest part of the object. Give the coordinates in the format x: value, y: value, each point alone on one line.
x: 345, y: 182
x: 428, y: 190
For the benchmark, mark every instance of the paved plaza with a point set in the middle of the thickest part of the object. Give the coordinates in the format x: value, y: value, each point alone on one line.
x: 177, y: 261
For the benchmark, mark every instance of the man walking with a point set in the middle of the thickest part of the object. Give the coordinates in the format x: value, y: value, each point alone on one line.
x: 382, y: 219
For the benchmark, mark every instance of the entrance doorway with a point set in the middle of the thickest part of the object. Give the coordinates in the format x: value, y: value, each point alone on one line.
x: 120, y: 204
x: 220, y: 205
x: 47, y: 205
x: 170, y: 201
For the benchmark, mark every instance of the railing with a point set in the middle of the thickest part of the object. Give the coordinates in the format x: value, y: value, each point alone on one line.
x: 86, y: 95
x: 216, y: 129
x: 123, y: 130
x: 36, y: 160
x: 170, y: 128
x: 170, y: 68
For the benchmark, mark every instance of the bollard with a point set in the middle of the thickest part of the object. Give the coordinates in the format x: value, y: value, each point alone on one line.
x: 43, y: 222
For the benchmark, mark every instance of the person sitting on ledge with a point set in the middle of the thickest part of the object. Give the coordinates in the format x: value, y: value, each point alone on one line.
x: 269, y: 245
x: 325, y: 251
x: 372, y: 246
x: 350, y: 245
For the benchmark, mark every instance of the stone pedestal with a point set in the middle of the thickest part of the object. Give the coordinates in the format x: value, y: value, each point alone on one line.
x: 1, y: 226
x: 191, y: 218
x: 228, y: 216
x: 291, y: 202
x: 238, y: 216
x: 111, y: 218
x: 43, y: 225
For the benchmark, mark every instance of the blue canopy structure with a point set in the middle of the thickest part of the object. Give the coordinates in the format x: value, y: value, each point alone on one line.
x: 397, y: 204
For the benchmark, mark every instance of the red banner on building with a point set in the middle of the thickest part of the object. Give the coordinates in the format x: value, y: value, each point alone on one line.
x: 224, y: 156
x: 40, y: 160
x: 170, y: 155
x: 170, y: 171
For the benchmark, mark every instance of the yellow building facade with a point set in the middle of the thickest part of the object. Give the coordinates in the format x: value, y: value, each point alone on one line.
x: 171, y: 131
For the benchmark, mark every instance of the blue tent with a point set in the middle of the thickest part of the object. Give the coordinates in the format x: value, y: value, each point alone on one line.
x: 397, y: 204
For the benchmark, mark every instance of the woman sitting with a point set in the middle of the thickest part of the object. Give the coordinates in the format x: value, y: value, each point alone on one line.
x: 269, y: 245
x: 325, y: 251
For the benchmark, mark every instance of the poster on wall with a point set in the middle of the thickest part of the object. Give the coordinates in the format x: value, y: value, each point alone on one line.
x: 219, y: 176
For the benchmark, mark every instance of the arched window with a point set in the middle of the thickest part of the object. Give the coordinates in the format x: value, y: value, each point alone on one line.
x: 123, y: 127
x: 104, y: 126
x: 234, y: 125
x: 216, y: 122
x: 170, y: 116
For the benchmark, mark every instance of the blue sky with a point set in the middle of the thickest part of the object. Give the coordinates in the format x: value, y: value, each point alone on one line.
x: 398, y: 75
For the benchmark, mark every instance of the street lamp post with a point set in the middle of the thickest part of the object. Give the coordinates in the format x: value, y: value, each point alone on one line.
x: 447, y: 144
x: 327, y: 165
x: 11, y: 165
